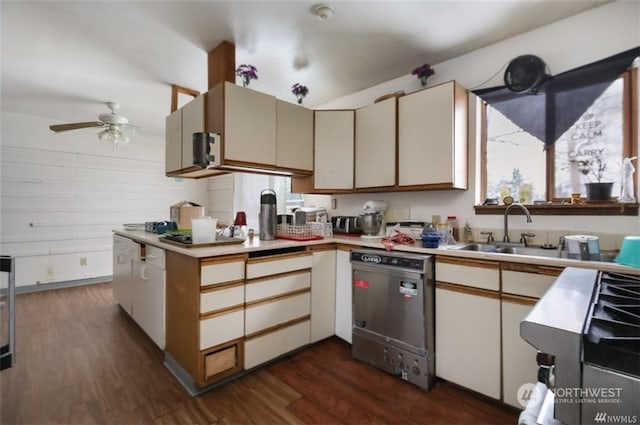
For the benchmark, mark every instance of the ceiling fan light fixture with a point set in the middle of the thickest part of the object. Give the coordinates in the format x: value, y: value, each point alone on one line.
x: 114, y: 135
x: 322, y: 11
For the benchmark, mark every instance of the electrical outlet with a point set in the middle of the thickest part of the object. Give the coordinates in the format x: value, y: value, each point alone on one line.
x: 334, y: 203
x: 83, y: 261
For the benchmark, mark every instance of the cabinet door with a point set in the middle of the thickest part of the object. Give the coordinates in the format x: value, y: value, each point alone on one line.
x: 344, y: 296
x: 149, y: 302
x: 375, y: 145
x: 249, y: 126
x: 193, y: 114
x: 432, y: 137
x: 323, y: 294
x: 468, y: 338
x: 294, y: 137
x: 173, y: 141
x: 518, y: 357
x: 122, y: 272
x: 334, y: 149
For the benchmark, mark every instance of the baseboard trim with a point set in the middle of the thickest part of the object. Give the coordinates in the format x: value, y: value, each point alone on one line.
x: 60, y: 285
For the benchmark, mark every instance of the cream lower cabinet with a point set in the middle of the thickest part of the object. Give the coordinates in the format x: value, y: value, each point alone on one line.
x: 277, y: 306
x: 205, y: 315
x: 149, y: 296
x: 323, y: 292
x: 468, y: 324
x: 344, y: 295
x: 522, y: 286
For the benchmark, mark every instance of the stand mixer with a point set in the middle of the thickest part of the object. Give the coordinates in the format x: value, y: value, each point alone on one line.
x: 372, y: 219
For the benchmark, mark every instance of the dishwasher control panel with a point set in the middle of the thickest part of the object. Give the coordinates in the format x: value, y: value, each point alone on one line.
x: 390, y: 260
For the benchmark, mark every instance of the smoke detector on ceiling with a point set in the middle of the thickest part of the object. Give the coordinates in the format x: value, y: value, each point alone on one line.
x: 322, y: 11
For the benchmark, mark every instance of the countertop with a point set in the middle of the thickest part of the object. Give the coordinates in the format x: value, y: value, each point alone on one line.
x: 258, y: 245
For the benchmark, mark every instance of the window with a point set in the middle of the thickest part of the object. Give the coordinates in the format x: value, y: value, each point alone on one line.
x: 519, y: 164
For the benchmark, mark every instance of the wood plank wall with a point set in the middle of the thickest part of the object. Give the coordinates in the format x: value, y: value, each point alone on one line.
x: 62, y: 194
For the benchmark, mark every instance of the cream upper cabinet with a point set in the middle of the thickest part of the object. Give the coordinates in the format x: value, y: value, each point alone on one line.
x: 193, y: 121
x: 173, y: 141
x: 432, y: 138
x: 294, y: 136
x: 180, y: 126
x: 334, y: 144
x: 375, y: 145
x: 246, y: 121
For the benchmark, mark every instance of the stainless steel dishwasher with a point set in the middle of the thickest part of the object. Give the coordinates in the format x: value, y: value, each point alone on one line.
x: 393, y: 313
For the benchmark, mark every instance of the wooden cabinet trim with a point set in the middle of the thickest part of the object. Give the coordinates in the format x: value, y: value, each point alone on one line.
x: 278, y: 327
x: 532, y: 268
x: 494, y: 265
x: 277, y: 298
x: 221, y: 286
x: 347, y: 248
x: 260, y: 279
x: 468, y: 290
x: 274, y: 257
x: 518, y: 299
x: 221, y: 312
x: 324, y: 247
x: 223, y: 259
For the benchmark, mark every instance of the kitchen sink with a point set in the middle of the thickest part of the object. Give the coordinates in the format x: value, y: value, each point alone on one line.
x: 535, y: 251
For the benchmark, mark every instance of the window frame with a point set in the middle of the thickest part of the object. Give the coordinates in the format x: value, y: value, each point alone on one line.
x: 556, y: 205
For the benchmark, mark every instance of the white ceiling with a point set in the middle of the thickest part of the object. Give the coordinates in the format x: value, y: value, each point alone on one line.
x: 63, y: 59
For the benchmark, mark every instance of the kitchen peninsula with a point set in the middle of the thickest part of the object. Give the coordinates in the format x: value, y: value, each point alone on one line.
x: 231, y: 308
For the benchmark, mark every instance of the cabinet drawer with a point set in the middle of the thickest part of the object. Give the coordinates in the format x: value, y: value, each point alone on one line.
x: 282, y: 284
x: 222, y: 328
x: 269, y: 346
x: 216, y: 273
x: 154, y: 256
x: 272, y: 313
x: 222, y: 298
x: 526, y: 284
x: 486, y: 277
x: 223, y: 362
x: 263, y: 267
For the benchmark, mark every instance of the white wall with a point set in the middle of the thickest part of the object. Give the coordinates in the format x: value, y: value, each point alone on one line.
x: 62, y: 194
x: 563, y: 45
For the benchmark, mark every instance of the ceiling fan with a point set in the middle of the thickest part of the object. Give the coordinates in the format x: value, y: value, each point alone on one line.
x: 111, y: 123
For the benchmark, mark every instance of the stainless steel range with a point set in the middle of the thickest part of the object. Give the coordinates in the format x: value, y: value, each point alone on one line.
x: 393, y: 313
x: 587, y: 330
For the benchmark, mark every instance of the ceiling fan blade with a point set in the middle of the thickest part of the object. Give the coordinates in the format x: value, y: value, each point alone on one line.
x: 76, y: 125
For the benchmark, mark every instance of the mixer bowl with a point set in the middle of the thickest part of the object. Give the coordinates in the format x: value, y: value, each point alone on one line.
x: 371, y: 223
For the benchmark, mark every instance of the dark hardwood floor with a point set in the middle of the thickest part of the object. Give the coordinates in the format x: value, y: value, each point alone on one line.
x: 81, y: 360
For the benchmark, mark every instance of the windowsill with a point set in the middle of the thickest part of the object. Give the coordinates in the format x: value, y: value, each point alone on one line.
x: 606, y: 208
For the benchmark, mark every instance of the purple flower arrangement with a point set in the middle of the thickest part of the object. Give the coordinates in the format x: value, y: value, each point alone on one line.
x: 423, y: 72
x: 247, y: 73
x: 299, y: 91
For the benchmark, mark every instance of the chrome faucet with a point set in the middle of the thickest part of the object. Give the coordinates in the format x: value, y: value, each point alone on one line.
x: 506, y: 221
